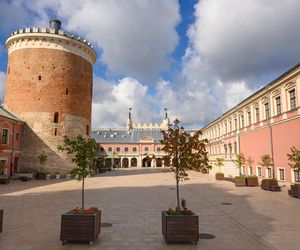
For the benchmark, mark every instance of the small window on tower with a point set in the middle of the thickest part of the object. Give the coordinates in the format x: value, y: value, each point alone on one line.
x: 56, y: 116
x: 55, y: 131
x: 40, y: 77
x: 87, y: 129
x: 67, y: 91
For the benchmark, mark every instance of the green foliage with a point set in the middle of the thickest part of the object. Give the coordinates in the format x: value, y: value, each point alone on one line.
x: 294, y: 158
x: 266, y: 161
x: 219, y: 163
x: 83, y: 151
x: 239, y: 161
x: 241, y: 177
x: 251, y: 177
x: 42, y: 158
x: 185, y: 151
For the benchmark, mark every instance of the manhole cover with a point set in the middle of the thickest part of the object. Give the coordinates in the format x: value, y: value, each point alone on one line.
x: 226, y: 203
x: 106, y: 224
x: 206, y: 236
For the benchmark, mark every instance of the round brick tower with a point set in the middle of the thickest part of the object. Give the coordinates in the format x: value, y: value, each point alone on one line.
x: 49, y: 86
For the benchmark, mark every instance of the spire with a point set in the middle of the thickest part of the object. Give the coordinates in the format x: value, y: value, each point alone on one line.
x: 165, y: 123
x: 166, y: 114
x: 129, y: 121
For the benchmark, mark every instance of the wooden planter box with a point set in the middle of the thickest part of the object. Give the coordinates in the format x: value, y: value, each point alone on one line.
x: 252, y: 181
x: 240, y: 182
x: 1, y: 220
x: 295, y: 191
x: 219, y: 176
x: 180, y: 228
x: 80, y: 227
x: 4, y: 179
x: 270, y: 185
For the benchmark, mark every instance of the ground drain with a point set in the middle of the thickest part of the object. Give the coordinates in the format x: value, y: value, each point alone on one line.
x: 226, y: 203
x: 106, y: 224
x: 206, y: 236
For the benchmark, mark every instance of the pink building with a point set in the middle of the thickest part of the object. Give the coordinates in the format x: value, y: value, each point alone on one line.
x: 267, y: 122
x: 10, y: 152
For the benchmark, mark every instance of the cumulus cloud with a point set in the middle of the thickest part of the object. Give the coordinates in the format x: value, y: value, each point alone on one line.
x: 2, y: 86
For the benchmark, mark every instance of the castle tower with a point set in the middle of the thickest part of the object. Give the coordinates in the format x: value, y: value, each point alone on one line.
x: 49, y: 86
x: 129, y: 121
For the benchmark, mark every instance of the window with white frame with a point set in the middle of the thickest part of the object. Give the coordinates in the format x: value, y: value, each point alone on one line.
x: 250, y: 170
x: 292, y: 98
x: 278, y: 105
x: 249, y: 118
x: 281, y: 174
x: 230, y: 126
x: 257, y: 114
x: 258, y: 171
x: 243, y: 169
x: 235, y: 124
x: 242, y: 121
x: 297, y: 176
x: 267, y: 110
x: 269, y: 172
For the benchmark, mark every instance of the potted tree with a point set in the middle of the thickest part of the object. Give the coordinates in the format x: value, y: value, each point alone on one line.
x: 81, y: 224
x: 270, y: 184
x: 219, y: 163
x: 251, y: 180
x: 42, y: 158
x: 186, y: 152
x: 294, y: 158
x: 239, y: 161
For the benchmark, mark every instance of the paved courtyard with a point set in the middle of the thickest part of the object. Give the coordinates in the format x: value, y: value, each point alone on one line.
x: 132, y: 201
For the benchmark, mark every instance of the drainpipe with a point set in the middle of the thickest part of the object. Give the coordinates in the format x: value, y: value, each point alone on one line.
x: 12, y: 150
x: 271, y: 134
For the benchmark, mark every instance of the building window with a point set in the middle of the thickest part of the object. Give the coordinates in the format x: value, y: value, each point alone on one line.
x: 269, y: 171
x: 242, y: 121
x: 225, y: 128
x: 230, y: 148
x: 17, y: 136
x: 235, y: 124
x: 257, y: 114
x: 67, y: 91
x: 118, y: 149
x: 56, y: 116
x: 278, y: 105
x: 126, y: 149
x: 158, y: 149
x: 259, y: 171
x: 40, y: 77
x: 4, y: 136
x: 292, y: 98
x: 146, y: 149
x: 281, y: 174
x: 297, y: 176
x: 235, y: 147
x: 249, y: 118
x: 2, y: 167
x: 134, y: 149
x: 101, y: 150
x: 225, y: 150
x: 250, y: 170
x: 109, y: 149
x: 230, y: 126
x: 267, y: 114
x: 55, y: 132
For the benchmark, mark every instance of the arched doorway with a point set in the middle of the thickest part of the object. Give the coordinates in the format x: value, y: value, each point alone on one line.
x: 146, y: 162
x: 108, y: 163
x: 125, y: 162
x: 117, y: 163
x: 158, y: 162
x: 133, y: 162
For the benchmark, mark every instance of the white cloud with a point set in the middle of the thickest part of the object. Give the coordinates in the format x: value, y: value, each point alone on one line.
x: 2, y: 85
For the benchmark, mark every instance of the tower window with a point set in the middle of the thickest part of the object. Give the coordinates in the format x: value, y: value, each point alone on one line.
x: 87, y: 130
x: 55, y: 131
x: 40, y: 77
x: 56, y: 116
x: 67, y: 91
x: 4, y: 136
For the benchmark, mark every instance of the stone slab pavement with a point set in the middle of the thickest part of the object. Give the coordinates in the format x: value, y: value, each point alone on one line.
x: 132, y: 201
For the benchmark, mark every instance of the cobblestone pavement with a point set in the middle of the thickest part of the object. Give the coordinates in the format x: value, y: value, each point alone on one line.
x: 132, y: 200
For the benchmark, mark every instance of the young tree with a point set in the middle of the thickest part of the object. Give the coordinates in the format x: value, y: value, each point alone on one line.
x: 83, y: 151
x: 294, y: 158
x: 186, y: 152
x: 42, y: 158
x: 239, y: 161
x: 219, y: 163
x: 267, y: 161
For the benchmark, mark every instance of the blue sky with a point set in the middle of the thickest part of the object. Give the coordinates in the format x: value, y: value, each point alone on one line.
x: 197, y: 58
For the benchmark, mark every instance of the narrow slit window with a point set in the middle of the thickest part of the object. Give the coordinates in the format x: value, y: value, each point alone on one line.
x: 67, y: 91
x: 56, y: 116
x: 55, y: 131
x: 87, y: 129
x: 40, y: 77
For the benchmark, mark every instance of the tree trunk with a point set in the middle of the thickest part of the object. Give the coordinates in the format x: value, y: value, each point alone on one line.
x: 177, y: 185
x: 82, y: 193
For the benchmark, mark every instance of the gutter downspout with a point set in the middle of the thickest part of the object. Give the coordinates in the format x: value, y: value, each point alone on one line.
x: 271, y: 134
